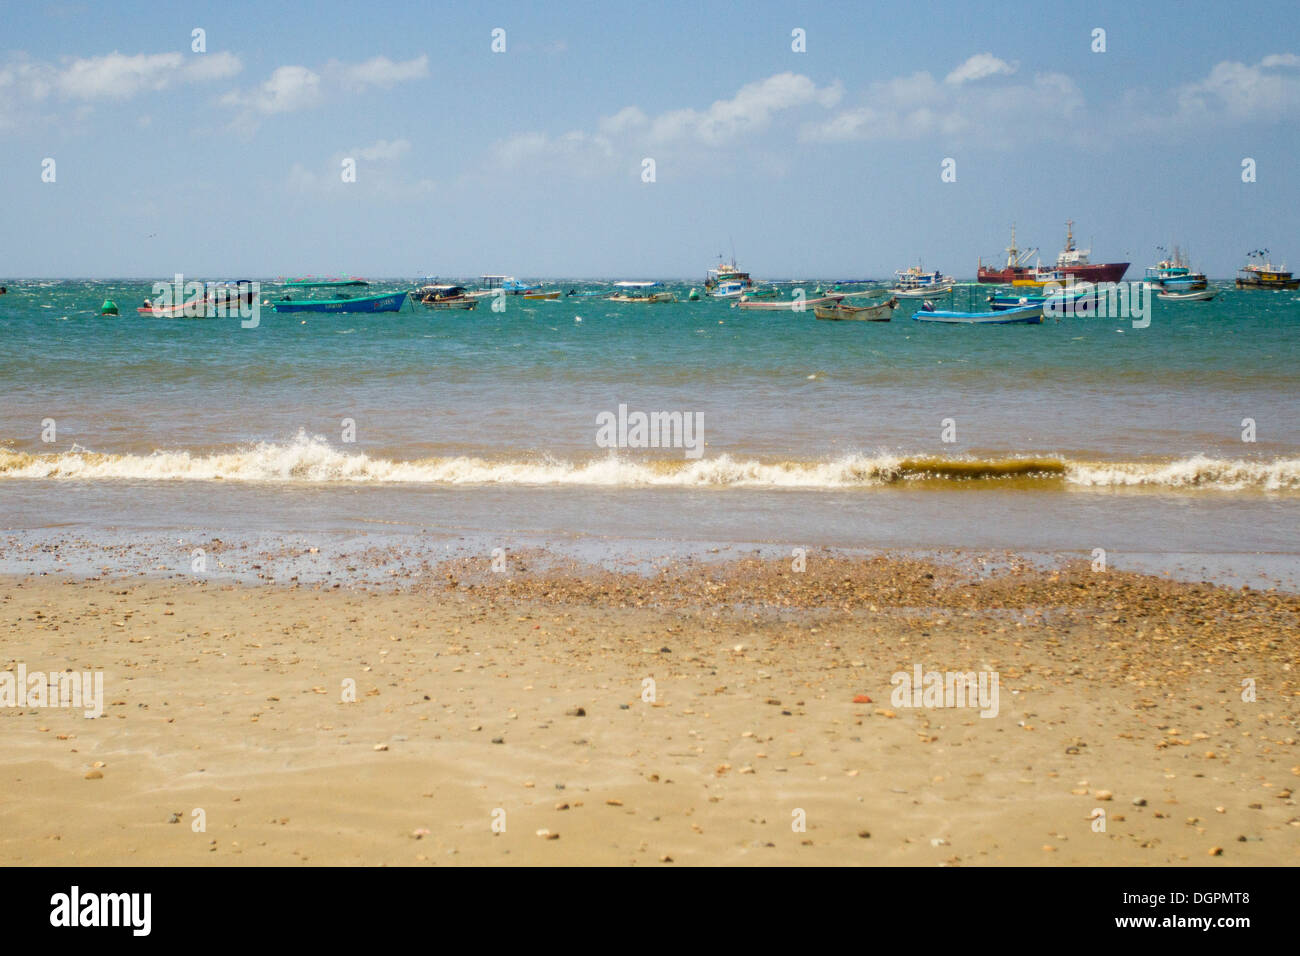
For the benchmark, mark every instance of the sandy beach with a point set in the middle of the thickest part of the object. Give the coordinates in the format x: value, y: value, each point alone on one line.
x: 694, y: 716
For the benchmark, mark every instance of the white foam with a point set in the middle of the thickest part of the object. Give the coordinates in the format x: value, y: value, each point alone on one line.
x: 311, y: 459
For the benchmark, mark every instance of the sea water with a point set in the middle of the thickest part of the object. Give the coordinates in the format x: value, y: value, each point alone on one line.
x: 1176, y: 444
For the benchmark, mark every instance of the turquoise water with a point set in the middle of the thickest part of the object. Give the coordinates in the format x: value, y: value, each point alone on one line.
x: 486, y: 422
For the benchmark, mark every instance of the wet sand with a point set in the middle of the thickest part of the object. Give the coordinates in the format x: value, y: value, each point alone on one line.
x: 519, y: 699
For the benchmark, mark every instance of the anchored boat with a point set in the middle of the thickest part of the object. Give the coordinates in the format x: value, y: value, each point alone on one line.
x: 916, y: 283
x: 786, y: 305
x: 1263, y: 274
x: 1172, y: 274
x: 843, y: 312
x: 389, y: 302
x: 727, y: 281
x: 1024, y: 315
x: 639, y: 292
x: 1200, y: 295
x: 445, y: 297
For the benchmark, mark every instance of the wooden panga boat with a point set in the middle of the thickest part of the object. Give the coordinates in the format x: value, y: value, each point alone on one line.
x: 542, y: 295
x: 647, y: 298
x: 788, y: 305
x: 1025, y: 315
x: 843, y: 312
x: 1200, y: 295
x: 390, y: 302
x: 445, y: 297
x: 640, y: 292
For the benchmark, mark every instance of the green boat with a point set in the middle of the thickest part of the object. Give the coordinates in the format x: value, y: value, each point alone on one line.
x: 311, y: 282
x: 388, y: 302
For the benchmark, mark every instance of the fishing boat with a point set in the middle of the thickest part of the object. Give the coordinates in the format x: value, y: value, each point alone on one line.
x: 843, y: 312
x: 1172, y: 274
x: 1263, y: 274
x: 1074, y: 262
x: 542, y: 295
x: 1075, y: 298
x: 1199, y: 295
x: 1071, y: 263
x: 1016, y: 272
x: 1023, y: 312
x: 729, y: 289
x: 445, y: 297
x: 1024, y: 315
x: 496, y: 284
x: 218, y: 300
x: 388, y: 302
x: 786, y: 305
x: 727, y: 281
x: 640, y: 293
x: 916, y: 283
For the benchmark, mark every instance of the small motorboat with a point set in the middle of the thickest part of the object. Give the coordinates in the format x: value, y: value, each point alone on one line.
x: 445, y: 297
x: 787, y: 305
x: 389, y: 302
x: 843, y: 312
x: 640, y: 292
x: 1200, y: 295
x: 1024, y: 315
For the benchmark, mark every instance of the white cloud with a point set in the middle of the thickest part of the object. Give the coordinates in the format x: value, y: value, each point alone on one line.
x: 26, y: 84
x: 295, y: 87
x: 1268, y: 90
x: 119, y: 76
x: 619, y: 138
x: 749, y: 111
x: 289, y: 88
x: 918, y: 105
x: 978, y: 67
x: 383, y: 150
x: 383, y: 72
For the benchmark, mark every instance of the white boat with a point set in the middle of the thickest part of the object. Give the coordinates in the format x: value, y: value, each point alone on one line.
x: 728, y: 289
x: 496, y: 284
x: 916, y: 283
x: 786, y: 305
x: 1201, y: 295
x: 639, y: 292
x: 726, y: 281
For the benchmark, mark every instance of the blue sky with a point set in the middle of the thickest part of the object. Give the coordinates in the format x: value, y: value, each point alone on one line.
x: 820, y: 163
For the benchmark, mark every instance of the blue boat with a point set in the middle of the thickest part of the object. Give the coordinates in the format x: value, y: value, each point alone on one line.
x: 1025, y: 315
x: 390, y: 302
x: 1065, y: 302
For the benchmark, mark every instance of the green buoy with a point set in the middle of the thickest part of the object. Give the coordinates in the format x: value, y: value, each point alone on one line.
x: 108, y: 308
x: 694, y: 295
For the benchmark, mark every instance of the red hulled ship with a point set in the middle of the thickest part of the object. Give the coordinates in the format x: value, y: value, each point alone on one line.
x: 1071, y: 262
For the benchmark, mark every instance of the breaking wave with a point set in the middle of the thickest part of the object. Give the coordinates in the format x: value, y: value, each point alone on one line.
x: 314, y: 460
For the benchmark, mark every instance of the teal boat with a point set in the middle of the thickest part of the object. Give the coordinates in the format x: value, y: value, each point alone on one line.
x: 389, y: 302
x: 1025, y: 315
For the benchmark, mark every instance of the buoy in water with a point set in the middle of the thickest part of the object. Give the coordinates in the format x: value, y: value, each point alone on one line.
x: 694, y: 295
x: 108, y: 308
